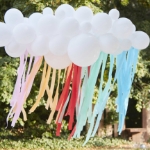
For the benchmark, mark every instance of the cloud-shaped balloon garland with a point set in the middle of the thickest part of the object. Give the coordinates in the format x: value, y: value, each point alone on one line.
x: 79, y: 41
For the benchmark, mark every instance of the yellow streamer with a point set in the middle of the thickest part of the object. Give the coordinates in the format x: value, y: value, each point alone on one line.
x: 54, y: 103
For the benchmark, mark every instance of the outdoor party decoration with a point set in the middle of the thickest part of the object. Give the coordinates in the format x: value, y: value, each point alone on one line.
x: 81, y: 43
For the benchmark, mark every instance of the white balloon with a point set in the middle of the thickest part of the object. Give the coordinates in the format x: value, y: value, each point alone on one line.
x: 57, y: 62
x: 140, y: 40
x: 125, y: 44
x: 58, y: 45
x: 83, y: 50
x: 15, y: 49
x: 34, y: 18
x: 133, y: 28
x: 40, y: 45
x: 85, y: 27
x: 83, y: 13
x: 5, y: 34
x: 114, y: 14
x: 13, y: 17
x: 64, y: 11
x: 48, y: 25
x: 26, y: 20
x: 24, y: 33
x: 122, y: 28
x: 108, y: 43
x: 101, y: 23
x: 47, y: 11
x: 69, y: 27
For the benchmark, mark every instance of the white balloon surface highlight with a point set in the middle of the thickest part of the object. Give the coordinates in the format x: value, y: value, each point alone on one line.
x: 83, y: 50
x: 40, y: 45
x: 69, y: 27
x: 48, y: 25
x: 122, y: 28
x: 58, y: 45
x: 108, y: 43
x: 47, y: 11
x: 83, y: 13
x: 15, y: 49
x: 57, y: 62
x: 85, y: 27
x: 34, y: 18
x: 24, y: 33
x: 101, y: 23
x: 114, y: 14
x: 140, y: 40
x: 5, y: 34
x: 13, y: 17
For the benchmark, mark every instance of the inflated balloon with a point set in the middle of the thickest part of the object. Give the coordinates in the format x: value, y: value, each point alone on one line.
x: 108, y: 43
x: 85, y: 27
x: 34, y: 18
x: 57, y: 62
x: 64, y: 11
x: 47, y: 11
x: 24, y: 33
x: 15, y: 49
x: 5, y: 34
x: 140, y: 40
x: 125, y: 44
x: 83, y: 14
x: 122, y: 28
x: 69, y: 27
x: 13, y: 17
x: 114, y: 14
x: 40, y: 45
x: 83, y: 50
x: 48, y: 25
x: 58, y: 45
x: 101, y: 23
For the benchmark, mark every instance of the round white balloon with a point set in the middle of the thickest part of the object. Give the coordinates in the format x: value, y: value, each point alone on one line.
x: 13, y: 17
x: 15, y: 49
x: 140, y: 40
x: 58, y: 45
x: 5, y: 34
x: 69, y: 27
x: 64, y: 11
x: 101, y: 23
x: 34, y: 18
x: 57, y: 62
x: 83, y: 13
x: 108, y: 43
x: 122, y: 28
x: 125, y: 44
x: 40, y: 45
x: 114, y: 14
x: 47, y: 11
x: 85, y: 27
x: 83, y: 50
x: 24, y: 33
x: 48, y: 25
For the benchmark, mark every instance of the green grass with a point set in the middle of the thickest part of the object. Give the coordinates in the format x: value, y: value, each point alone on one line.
x: 10, y: 140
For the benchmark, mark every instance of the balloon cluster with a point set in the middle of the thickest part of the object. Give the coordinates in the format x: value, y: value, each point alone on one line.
x: 69, y: 36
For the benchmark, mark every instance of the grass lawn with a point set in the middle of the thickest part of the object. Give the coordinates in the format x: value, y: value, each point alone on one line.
x: 11, y: 141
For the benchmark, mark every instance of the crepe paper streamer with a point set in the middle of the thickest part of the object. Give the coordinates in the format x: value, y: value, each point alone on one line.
x: 124, y: 80
x: 87, y: 101
x: 24, y: 114
x: 50, y: 90
x: 75, y: 89
x: 41, y: 91
x: 22, y: 95
x: 100, y: 96
x: 63, y: 98
x: 54, y: 103
x: 17, y: 88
